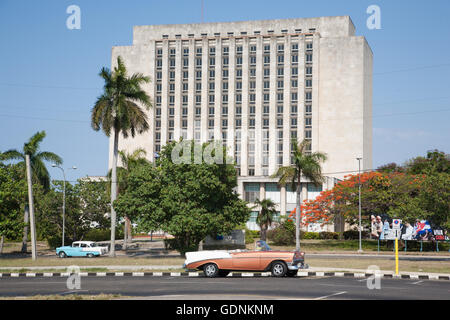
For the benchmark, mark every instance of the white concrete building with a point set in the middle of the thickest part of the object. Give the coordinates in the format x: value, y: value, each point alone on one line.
x: 256, y: 85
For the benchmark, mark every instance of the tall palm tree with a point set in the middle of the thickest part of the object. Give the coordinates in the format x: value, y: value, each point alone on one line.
x: 40, y: 172
x: 129, y: 161
x: 306, y: 164
x: 117, y: 111
x: 37, y: 158
x: 265, y: 215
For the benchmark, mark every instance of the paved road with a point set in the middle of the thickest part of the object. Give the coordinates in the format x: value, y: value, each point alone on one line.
x: 182, y: 288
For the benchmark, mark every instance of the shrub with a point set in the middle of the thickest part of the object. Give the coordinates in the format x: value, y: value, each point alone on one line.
x: 354, y: 235
x: 251, y: 235
x: 309, y: 235
x: 282, y: 234
x: 325, y: 235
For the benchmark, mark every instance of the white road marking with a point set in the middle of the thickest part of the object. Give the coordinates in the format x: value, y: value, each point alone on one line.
x: 418, y: 282
x: 331, y: 295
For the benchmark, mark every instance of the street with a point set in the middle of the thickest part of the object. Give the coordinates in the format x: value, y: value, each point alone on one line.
x: 184, y: 288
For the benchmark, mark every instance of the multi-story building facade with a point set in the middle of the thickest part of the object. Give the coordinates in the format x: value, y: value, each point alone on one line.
x: 255, y: 85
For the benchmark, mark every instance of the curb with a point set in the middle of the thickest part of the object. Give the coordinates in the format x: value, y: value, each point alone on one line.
x: 301, y: 274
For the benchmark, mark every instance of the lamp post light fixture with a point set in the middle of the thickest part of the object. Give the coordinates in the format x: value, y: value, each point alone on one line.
x: 64, y: 199
x: 359, y: 202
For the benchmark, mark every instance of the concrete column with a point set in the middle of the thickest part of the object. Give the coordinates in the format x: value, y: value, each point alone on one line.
x: 245, y: 106
x: 218, y: 92
x: 301, y: 89
x: 287, y: 103
x: 283, y: 200
x: 204, y: 92
x: 164, y: 92
x: 315, y: 145
x: 258, y: 107
x: 191, y: 90
x: 231, y: 95
x: 178, y: 88
x: 262, y: 190
x: 273, y: 138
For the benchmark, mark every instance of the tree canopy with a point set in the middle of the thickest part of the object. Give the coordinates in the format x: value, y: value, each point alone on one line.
x: 187, y: 200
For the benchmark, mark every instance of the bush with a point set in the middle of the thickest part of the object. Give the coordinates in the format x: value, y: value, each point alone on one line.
x: 251, y: 235
x: 282, y: 234
x: 354, y: 235
x: 325, y: 235
x: 309, y: 235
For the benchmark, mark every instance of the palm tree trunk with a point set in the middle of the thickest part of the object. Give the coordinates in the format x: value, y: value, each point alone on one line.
x: 298, y: 213
x: 112, y: 252
x: 25, y: 230
x: 2, y: 239
x: 125, y: 236
x: 129, y: 230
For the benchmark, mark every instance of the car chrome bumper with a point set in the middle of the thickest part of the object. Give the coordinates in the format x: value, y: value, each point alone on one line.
x: 297, y: 265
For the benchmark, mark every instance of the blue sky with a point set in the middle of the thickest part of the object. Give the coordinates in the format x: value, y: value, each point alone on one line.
x: 49, y: 74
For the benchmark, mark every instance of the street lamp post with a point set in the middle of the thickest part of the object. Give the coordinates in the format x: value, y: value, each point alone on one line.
x: 64, y: 199
x: 359, y: 202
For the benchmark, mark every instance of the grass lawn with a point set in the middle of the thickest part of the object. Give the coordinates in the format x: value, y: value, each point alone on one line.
x: 368, y: 246
x: 99, y: 261
x: 404, y: 266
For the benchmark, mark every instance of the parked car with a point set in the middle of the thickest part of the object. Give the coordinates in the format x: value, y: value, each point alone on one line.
x: 220, y: 262
x: 81, y: 249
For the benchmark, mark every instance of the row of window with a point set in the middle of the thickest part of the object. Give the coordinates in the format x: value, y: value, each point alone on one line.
x: 239, y: 49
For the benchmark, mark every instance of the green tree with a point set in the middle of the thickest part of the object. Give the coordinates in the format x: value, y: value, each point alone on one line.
x: 86, y: 205
x: 13, y: 188
x: 129, y: 161
x: 435, y: 162
x: 39, y: 171
x: 265, y: 215
x: 305, y: 164
x: 117, y: 111
x: 37, y: 158
x: 187, y: 200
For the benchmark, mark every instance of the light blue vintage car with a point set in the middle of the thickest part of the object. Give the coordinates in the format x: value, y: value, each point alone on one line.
x: 81, y: 249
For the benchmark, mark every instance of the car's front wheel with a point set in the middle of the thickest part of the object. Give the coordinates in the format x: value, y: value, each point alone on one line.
x: 279, y: 269
x: 62, y: 254
x: 211, y: 270
x: 90, y: 255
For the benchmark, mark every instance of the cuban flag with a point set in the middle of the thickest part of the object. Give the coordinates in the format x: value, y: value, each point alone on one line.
x: 422, y: 226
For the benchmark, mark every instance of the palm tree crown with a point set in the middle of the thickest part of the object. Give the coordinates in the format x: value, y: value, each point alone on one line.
x: 117, y: 108
x: 266, y: 215
x: 37, y: 158
x: 306, y: 164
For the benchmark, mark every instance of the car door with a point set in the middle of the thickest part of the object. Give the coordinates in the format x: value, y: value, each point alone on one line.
x: 73, y: 250
x: 83, y: 251
x: 248, y: 260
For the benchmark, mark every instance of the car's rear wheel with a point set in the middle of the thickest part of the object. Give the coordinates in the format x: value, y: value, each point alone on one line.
x: 211, y: 270
x: 279, y: 269
x: 62, y: 254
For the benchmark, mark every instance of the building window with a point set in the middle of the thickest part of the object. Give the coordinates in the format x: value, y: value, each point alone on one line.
x: 251, y: 191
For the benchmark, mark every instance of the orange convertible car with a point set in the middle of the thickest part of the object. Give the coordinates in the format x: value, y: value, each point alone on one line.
x: 220, y: 262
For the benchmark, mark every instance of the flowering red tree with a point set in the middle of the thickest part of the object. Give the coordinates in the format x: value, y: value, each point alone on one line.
x: 381, y: 193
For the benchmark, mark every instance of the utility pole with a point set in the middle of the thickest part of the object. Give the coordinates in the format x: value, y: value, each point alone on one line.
x: 64, y: 200
x: 31, y: 208
x: 359, y: 202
